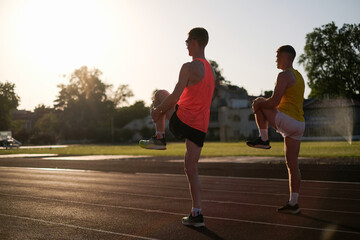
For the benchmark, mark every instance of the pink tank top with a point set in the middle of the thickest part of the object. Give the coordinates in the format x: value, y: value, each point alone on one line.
x: 194, y: 103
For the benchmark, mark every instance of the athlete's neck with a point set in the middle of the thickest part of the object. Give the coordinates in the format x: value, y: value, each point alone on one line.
x: 286, y: 67
x: 199, y: 55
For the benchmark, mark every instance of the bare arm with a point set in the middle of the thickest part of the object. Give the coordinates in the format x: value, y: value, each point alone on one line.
x: 282, y: 84
x: 173, y: 98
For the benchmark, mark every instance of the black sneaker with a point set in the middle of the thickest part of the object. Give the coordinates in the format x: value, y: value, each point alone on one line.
x: 289, y: 209
x: 197, y: 221
x: 258, y: 143
x: 153, y: 143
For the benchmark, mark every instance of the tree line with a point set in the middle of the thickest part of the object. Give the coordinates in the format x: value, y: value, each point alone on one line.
x: 88, y: 109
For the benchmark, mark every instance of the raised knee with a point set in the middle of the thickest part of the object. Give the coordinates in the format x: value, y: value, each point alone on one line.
x: 161, y: 94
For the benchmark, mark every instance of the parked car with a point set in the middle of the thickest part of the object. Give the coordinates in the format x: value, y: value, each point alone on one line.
x: 10, y: 142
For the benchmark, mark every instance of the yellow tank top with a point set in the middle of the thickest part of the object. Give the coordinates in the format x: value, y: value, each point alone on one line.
x: 292, y: 101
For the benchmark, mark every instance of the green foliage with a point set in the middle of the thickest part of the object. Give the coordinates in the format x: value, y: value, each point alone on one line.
x: 121, y: 95
x: 218, y: 73
x: 220, y: 79
x: 125, y: 115
x: 9, y: 101
x: 331, y: 59
x: 268, y: 94
x: 46, y: 129
x: 85, y: 108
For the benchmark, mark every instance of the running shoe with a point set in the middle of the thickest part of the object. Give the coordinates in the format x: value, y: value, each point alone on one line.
x: 191, y: 221
x: 258, y: 143
x: 153, y: 143
x: 289, y: 209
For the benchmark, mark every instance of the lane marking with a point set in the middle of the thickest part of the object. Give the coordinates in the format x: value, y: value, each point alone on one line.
x: 145, y: 174
x: 222, y: 191
x: 182, y: 214
x: 182, y: 175
x: 77, y: 227
x: 96, y: 157
x: 248, y: 178
x: 32, y: 155
x: 181, y: 199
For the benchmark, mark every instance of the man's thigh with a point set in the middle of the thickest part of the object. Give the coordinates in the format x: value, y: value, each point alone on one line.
x: 193, y: 152
x: 160, y: 96
x: 270, y: 115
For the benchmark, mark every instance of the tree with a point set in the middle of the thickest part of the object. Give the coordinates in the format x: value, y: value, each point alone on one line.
x: 86, y: 109
x: 85, y: 85
x: 121, y: 95
x: 9, y: 101
x: 268, y: 94
x: 125, y: 115
x: 219, y: 79
x: 46, y: 129
x: 218, y: 73
x: 331, y: 59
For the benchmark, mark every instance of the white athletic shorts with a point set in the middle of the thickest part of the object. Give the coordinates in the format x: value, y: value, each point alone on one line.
x: 288, y: 126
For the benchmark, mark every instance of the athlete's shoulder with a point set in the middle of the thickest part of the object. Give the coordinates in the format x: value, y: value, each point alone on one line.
x: 286, y: 75
x: 186, y: 67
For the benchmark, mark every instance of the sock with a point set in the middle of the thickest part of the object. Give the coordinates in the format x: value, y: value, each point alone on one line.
x: 195, y: 211
x: 160, y: 134
x: 293, y: 198
x: 264, y: 134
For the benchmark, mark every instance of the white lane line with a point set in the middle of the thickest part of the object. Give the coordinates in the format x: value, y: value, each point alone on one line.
x: 182, y: 175
x: 34, y: 169
x: 286, y: 225
x: 14, y: 172
x: 229, y: 191
x: 204, y: 176
x: 96, y: 157
x: 26, y: 155
x: 182, y: 199
x: 77, y: 227
x: 182, y: 214
x: 247, y: 178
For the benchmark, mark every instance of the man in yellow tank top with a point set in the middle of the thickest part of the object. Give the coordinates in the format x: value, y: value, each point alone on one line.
x: 284, y: 111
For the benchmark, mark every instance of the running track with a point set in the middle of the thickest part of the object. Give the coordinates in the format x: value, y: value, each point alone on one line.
x: 40, y: 203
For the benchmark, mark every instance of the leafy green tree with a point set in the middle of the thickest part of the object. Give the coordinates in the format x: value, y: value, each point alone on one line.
x: 125, y: 115
x: 218, y: 73
x: 331, y: 59
x: 86, y: 109
x: 9, y: 101
x: 268, y: 94
x: 46, y: 129
x: 122, y: 95
x: 220, y: 79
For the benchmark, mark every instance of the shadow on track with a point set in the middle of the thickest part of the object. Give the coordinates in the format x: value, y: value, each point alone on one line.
x: 331, y: 224
x: 207, y: 232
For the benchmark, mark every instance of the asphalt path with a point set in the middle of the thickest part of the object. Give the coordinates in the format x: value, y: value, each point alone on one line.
x: 145, y: 198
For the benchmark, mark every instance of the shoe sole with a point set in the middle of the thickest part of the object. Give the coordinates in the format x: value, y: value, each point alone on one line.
x: 259, y: 146
x: 297, y: 211
x: 194, y: 224
x: 153, y: 147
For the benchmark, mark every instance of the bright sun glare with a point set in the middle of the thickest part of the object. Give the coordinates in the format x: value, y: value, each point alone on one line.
x: 61, y: 34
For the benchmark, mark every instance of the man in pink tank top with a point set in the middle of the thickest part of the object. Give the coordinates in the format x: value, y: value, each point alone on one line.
x: 188, y: 109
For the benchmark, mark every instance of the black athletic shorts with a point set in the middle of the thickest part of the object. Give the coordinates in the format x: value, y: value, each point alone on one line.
x: 181, y: 130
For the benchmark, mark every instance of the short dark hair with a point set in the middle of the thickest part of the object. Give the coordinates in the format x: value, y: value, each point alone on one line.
x: 201, y: 35
x: 288, y: 49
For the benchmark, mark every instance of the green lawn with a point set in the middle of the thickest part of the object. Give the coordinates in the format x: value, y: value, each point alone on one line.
x: 211, y: 149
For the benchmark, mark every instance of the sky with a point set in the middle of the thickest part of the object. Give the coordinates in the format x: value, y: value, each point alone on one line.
x: 142, y: 42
